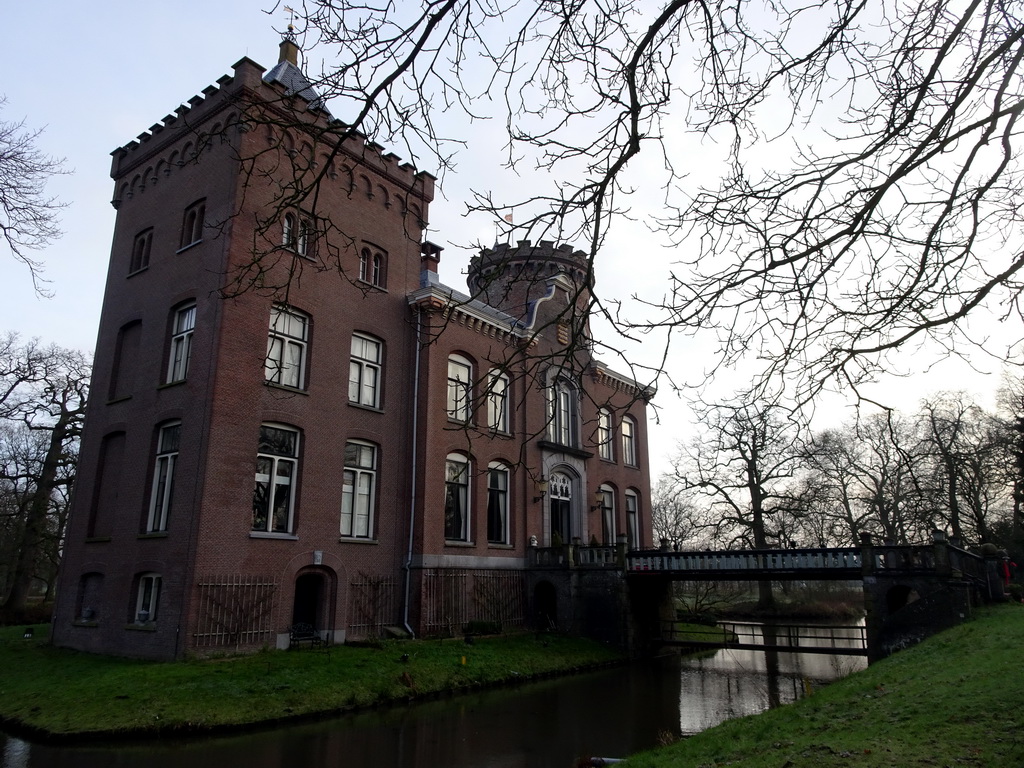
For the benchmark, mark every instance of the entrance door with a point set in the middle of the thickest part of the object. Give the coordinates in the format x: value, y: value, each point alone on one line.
x: 560, y: 495
x: 309, y: 589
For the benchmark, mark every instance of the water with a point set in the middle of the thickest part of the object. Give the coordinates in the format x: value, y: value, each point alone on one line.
x: 546, y: 724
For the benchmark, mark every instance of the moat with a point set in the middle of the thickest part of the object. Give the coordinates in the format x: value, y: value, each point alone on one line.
x: 546, y: 724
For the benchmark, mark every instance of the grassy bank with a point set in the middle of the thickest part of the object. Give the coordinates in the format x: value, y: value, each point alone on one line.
x: 954, y: 700
x: 53, y: 692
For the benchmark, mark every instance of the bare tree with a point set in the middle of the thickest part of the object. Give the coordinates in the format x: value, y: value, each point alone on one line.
x: 871, y: 190
x: 743, y: 471
x: 43, y: 393
x: 677, y: 517
x: 28, y: 216
x: 965, y: 444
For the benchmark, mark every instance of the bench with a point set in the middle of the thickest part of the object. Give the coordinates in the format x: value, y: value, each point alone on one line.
x: 304, y: 633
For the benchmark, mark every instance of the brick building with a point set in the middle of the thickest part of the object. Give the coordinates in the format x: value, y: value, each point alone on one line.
x: 292, y: 419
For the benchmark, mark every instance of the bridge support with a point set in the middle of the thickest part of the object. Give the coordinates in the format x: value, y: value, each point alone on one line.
x: 911, y: 593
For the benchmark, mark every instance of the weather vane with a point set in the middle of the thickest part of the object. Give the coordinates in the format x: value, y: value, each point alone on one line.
x: 291, y: 18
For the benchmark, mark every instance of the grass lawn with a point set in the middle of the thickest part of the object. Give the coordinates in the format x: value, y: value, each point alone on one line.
x: 57, y: 692
x: 953, y: 701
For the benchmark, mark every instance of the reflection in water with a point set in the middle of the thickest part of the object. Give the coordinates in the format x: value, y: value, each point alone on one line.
x: 611, y: 713
x: 734, y: 683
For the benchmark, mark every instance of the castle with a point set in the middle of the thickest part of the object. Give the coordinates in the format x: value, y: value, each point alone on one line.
x: 293, y: 421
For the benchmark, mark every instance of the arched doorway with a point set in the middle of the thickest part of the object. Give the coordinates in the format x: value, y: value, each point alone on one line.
x: 307, y: 606
x: 545, y: 606
x: 560, y: 508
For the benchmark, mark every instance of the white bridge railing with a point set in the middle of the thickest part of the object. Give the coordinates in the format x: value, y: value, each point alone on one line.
x: 764, y: 560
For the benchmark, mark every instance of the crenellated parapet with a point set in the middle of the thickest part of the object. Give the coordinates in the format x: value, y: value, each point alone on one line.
x: 294, y: 120
x: 527, y: 261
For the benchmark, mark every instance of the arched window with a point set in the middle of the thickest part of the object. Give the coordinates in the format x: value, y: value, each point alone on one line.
x: 497, y: 401
x: 277, y: 471
x: 606, y: 504
x: 564, y: 414
x: 168, y: 440
x: 605, y: 441
x: 373, y: 266
x: 460, y: 388
x: 456, y: 498
x: 288, y: 230
x: 147, y: 598
x: 140, y: 251
x: 181, y: 343
x: 629, y: 441
x: 497, y: 503
x: 192, y: 225
x: 633, y: 519
x: 286, y: 347
x: 358, y: 488
x: 560, y: 506
x: 364, y: 370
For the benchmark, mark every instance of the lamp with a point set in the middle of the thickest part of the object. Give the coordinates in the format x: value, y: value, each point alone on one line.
x: 542, y: 489
x: 598, y: 499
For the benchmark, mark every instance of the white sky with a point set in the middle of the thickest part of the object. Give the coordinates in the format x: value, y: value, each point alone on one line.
x: 95, y: 75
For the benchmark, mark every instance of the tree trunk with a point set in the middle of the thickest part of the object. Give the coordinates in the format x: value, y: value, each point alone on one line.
x: 35, y: 522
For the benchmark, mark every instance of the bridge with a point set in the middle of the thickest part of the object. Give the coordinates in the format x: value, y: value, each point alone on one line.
x: 910, y: 591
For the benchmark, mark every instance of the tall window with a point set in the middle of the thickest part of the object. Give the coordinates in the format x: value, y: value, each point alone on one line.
x: 560, y: 505
x: 147, y: 598
x: 181, y: 343
x: 633, y: 519
x: 497, y: 504
x: 606, y: 496
x: 605, y: 442
x: 456, y: 498
x: 192, y: 225
x: 629, y: 441
x: 460, y: 382
x: 277, y: 469
x: 140, y: 251
x: 373, y: 266
x: 296, y: 233
x: 497, y: 401
x: 286, y: 347
x: 358, y: 489
x: 564, y: 429
x: 163, y: 477
x: 364, y: 370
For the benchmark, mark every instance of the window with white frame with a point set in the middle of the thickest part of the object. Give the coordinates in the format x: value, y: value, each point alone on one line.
x: 277, y: 471
x: 497, y: 504
x: 288, y: 230
x: 497, y: 401
x: 358, y: 488
x: 605, y: 441
x: 140, y: 251
x: 181, y: 343
x: 192, y: 224
x: 564, y: 414
x: 633, y: 519
x: 456, y: 498
x: 629, y: 441
x: 460, y: 383
x: 162, y: 492
x: 364, y: 371
x: 147, y: 598
x: 286, y: 347
x: 606, y: 496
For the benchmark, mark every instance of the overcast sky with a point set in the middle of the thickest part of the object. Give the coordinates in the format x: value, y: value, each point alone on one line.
x: 96, y: 75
